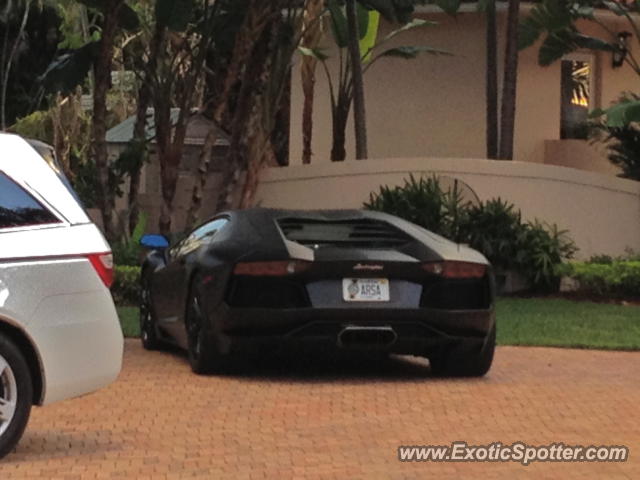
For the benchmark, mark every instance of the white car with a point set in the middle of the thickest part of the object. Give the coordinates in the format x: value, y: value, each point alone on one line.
x: 59, y: 332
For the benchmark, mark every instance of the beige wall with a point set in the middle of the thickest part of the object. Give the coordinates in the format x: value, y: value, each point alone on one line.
x: 580, y: 154
x: 435, y: 106
x: 601, y: 212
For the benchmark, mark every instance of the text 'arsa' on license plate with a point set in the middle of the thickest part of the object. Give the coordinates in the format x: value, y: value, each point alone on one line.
x: 365, y: 289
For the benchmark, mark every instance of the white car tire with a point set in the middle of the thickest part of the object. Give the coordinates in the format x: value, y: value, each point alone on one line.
x: 16, y: 395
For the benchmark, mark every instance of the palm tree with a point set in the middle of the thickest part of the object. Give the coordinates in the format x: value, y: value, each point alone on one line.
x: 359, y: 110
x: 371, y: 49
x: 10, y: 48
x: 491, y: 69
x: 311, y: 37
x: 259, y: 98
x: 102, y: 82
x: 508, y: 114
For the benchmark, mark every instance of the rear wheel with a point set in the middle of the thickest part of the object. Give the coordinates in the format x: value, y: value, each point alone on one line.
x: 203, y: 353
x: 461, y: 362
x: 16, y: 395
x: 148, y: 333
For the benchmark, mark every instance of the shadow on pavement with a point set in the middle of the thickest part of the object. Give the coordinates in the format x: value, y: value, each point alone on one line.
x: 324, y: 366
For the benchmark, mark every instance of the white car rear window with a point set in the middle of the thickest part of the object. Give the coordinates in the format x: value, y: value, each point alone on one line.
x: 18, y: 208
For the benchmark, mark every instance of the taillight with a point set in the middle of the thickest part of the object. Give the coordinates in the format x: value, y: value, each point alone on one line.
x: 455, y: 269
x: 103, y: 265
x: 271, y: 269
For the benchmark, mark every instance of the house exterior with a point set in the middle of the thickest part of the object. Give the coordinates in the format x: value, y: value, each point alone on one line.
x: 150, y: 197
x: 435, y: 105
x: 427, y: 116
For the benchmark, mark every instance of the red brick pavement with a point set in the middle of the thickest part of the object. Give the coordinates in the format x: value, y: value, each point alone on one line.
x: 344, y: 420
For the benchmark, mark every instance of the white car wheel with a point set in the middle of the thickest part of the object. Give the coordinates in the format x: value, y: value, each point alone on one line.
x: 16, y: 395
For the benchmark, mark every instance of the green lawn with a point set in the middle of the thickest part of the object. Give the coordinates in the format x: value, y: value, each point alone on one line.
x: 564, y: 323
x: 538, y: 322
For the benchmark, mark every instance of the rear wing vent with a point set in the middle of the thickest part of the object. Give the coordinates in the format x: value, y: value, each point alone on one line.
x: 360, y: 233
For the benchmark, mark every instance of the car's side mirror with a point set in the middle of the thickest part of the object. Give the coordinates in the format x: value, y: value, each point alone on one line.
x: 154, y: 242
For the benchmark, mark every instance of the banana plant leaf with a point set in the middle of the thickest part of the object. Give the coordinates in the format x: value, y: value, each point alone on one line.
x: 316, y: 53
x: 175, y: 14
x: 127, y: 16
x: 623, y: 113
x: 395, y: 11
x: 370, y: 37
x: 339, y: 26
x: 70, y: 70
x: 409, y: 52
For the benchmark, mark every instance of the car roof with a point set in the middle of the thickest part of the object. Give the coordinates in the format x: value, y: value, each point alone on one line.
x: 21, y: 162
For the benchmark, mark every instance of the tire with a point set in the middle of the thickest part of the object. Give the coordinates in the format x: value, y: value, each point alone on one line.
x: 16, y: 388
x: 458, y: 362
x: 148, y: 332
x: 204, y: 356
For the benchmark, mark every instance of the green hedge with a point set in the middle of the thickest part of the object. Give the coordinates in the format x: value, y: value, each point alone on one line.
x: 126, y: 285
x: 618, y: 278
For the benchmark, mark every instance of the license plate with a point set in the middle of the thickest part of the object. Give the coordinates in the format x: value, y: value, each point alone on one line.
x: 365, y: 289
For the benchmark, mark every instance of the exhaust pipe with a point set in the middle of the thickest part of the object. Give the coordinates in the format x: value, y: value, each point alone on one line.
x: 353, y: 336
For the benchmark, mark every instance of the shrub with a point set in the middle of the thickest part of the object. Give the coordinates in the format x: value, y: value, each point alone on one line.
x: 127, y: 250
x: 495, y: 228
x: 423, y: 202
x: 541, y: 248
x: 126, y: 285
x: 618, y: 278
x: 605, y: 259
x: 623, y: 143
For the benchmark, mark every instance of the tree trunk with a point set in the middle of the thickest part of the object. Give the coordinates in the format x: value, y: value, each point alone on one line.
x: 140, y: 144
x: 507, y: 121
x: 339, y: 125
x: 311, y: 39
x: 169, y: 172
x: 359, y: 111
x: 8, y: 62
x: 259, y: 15
x: 261, y: 98
x: 60, y: 140
x: 170, y: 159
x: 247, y: 113
x: 492, y: 81
x: 308, y: 88
x: 281, y: 136
x: 169, y: 136
x: 102, y: 78
x: 201, y: 178
x: 261, y: 151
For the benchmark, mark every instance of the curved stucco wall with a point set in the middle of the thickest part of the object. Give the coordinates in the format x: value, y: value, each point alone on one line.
x: 601, y: 212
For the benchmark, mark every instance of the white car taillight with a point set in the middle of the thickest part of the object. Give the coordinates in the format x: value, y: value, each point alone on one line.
x: 103, y: 265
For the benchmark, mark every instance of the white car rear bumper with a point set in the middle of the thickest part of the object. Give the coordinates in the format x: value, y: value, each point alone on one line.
x: 79, y: 342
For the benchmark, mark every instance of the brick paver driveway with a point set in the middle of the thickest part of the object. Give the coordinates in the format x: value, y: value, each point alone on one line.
x: 309, y: 419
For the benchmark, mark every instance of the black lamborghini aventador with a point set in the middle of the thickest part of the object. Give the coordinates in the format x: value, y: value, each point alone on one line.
x: 348, y: 279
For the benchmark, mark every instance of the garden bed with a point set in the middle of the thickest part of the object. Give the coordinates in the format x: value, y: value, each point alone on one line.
x: 579, y: 296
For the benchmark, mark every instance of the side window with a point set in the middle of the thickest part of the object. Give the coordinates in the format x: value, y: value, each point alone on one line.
x: 18, y: 208
x: 198, y: 237
x: 206, y: 232
x: 577, y: 95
